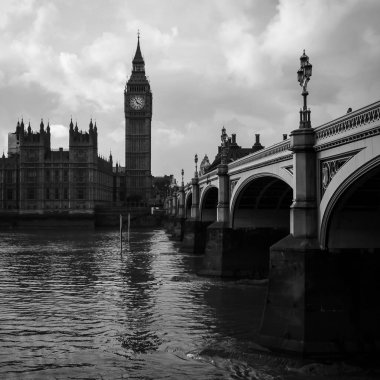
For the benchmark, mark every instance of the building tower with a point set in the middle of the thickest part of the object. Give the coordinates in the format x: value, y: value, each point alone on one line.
x: 138, y: 119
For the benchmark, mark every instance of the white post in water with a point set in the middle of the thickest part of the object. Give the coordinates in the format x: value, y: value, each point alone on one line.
x: 121, y: 233
x: 129, y: 224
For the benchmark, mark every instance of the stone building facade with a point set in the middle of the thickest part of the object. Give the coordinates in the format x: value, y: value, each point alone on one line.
x: 36, y: 179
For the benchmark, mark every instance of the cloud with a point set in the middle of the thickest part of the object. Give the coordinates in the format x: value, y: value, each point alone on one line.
x: 11, y: 9
x: 163, y: 135
x: 241, y: 52
x: 59, y: 131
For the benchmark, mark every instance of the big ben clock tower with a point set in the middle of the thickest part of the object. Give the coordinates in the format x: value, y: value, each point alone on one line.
x: 138, y: 120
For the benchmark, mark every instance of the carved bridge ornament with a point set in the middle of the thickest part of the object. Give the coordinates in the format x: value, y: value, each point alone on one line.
x: 233, y: 184
x: 289, y: 169
x: 329, y: 169
x: 368, y: 116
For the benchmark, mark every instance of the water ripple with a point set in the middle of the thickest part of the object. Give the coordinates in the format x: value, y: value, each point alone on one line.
x: 74, y: 307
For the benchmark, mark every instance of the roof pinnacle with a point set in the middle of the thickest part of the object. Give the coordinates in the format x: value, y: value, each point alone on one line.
x: 138, y: 56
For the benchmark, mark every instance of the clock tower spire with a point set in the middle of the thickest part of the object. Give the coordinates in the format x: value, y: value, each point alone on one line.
x: 138, y: 137
x: 138, y: 64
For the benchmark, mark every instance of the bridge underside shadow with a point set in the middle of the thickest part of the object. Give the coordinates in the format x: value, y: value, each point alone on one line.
x: 260, y: 219
x: 326, y: 301
x: 188, y: 202
x: 349, y: 280
x: 195, y: 231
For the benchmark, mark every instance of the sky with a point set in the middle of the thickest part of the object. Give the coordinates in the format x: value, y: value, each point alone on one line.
x: 210, y: 64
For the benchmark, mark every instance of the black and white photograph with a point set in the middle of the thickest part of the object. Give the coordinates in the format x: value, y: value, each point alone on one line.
x: 190, y: 189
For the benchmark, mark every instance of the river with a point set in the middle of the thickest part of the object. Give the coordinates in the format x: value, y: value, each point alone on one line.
x: 74, y: 307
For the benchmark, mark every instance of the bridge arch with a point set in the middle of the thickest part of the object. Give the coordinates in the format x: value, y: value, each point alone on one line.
x: 364, y: 157
x: 264, y: 191
x: 260, y: 217
x: 350, y: 236
x: 208, y: 204
x: 350, y: 217
x: 188, y: 202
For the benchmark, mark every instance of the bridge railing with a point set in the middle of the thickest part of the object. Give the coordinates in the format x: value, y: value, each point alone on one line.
x: 344, y: 125
x: 208, y: 177
x: 280, y: 147
x: 349, y: 122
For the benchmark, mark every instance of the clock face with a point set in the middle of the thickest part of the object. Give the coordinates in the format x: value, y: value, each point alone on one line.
x: 137, y: 102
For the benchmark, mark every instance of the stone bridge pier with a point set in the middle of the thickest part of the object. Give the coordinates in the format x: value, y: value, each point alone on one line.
x: 194, y: 228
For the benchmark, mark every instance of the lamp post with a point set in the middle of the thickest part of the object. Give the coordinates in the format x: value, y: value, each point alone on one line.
x: 224, y: 138
x: 303, y: 76
x: 302, y: 140
x: 195, y: 192
x: 181, y: 199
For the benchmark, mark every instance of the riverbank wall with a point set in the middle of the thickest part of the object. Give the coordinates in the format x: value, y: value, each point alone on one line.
x: 140, y: 217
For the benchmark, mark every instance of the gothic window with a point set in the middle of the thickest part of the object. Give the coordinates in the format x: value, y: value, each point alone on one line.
x: 31, y: 175
x: 56, y: 175
x: 65, y: 176
x: 47, y: 175
x: 56, y: 193
x: 9, y: 194
x: 65, y: 194
x: 31, y: 193
x: 9, y: 176
x: 47, y: 193
x: 80, y: 175
x: 80, y: 193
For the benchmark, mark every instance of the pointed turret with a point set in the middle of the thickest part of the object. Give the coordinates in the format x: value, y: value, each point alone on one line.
x: 42, y: 126
x: 48, y: 128
x: 71, y: 124
x: 138, y: 60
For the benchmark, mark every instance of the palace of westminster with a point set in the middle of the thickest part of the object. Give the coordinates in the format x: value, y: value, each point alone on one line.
x: 35, y: 179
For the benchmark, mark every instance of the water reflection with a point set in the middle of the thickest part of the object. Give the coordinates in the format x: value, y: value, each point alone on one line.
x: 138, y: 296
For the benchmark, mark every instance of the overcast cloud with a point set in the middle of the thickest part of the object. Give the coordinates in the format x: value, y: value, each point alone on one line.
x: 210, y: 63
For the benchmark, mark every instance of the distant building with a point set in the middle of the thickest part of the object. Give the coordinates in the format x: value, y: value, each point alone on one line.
x: 37, y: 179
x: 161, y: 186
x: 233, y: 153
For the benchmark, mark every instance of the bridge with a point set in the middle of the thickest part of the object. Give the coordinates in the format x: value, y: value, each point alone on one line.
x: 304, y: 213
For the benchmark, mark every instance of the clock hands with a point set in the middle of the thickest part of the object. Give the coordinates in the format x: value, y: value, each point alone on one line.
x: 137, y: 102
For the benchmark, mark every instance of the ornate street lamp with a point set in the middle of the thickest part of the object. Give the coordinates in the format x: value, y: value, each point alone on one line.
x: 224, y: 138
x: 303, y: 77
x: 196, y: 166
